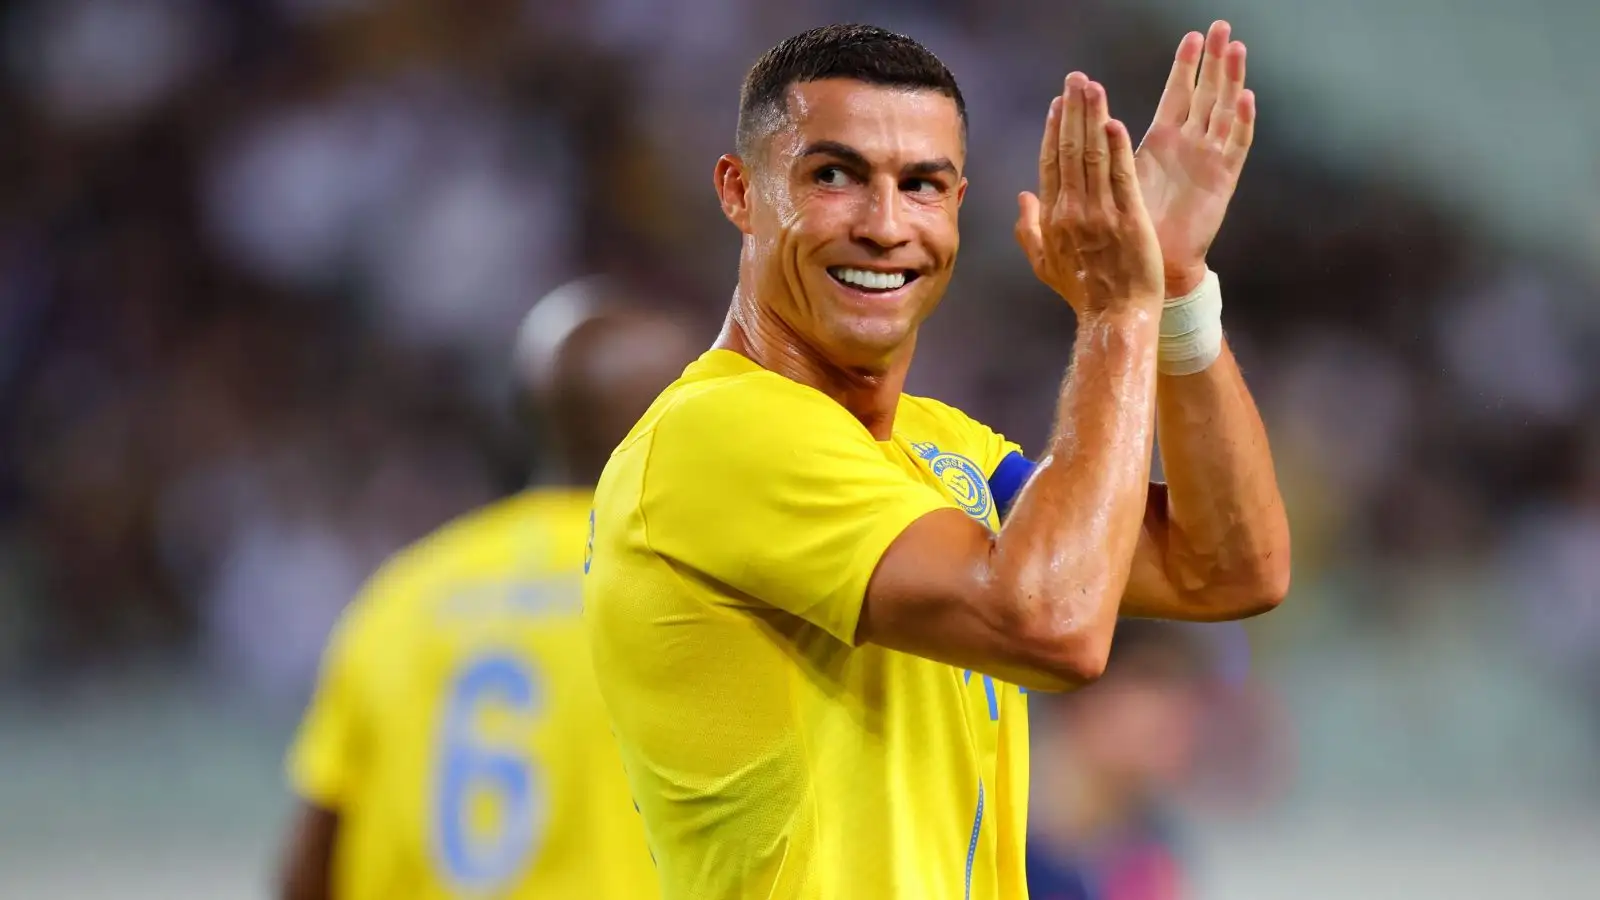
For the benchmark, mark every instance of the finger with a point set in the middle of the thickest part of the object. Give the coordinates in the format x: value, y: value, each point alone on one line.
x: 1049, y: 156
x: 1029, y: 231
x: 1205, y: 91
x: 1096, y: 168
x: 1243, y: 132
x: 1122, y: 176
x: 1179, y: 92
x: 1224, y: 114
x: 1070, y: 149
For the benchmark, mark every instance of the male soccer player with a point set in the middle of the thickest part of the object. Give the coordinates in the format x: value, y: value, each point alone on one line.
x: 457, y: 745
x: 807, y: 616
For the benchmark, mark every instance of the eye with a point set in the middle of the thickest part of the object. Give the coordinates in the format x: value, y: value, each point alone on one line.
x: 832, y: 176
x: 925, y: 186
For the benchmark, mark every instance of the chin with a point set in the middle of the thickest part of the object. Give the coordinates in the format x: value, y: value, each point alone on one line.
x: 859, y: 330
x: 871, y: 345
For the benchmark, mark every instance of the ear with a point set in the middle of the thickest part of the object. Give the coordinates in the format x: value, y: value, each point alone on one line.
x: 733, y: 190
x: 961, y: 192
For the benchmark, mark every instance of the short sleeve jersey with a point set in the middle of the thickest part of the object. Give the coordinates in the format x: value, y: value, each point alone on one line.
x: 771, y: 755
x: 457, y: 729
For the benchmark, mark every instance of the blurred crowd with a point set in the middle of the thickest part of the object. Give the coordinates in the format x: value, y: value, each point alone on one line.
x: 261, y: 263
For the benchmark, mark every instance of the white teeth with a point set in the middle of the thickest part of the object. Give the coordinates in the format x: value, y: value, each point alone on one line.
x: 872, y: 281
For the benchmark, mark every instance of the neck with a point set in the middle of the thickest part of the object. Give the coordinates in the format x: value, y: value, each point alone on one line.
x: 870, y: 393
x: 569, y: 466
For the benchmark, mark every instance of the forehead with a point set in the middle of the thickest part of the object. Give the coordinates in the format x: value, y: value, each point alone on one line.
x: 887, y: 125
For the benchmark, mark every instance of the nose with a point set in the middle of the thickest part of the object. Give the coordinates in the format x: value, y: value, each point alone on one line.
x: 882, y: 223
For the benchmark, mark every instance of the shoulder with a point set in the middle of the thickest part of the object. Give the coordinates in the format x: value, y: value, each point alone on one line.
x: 927, y: 409
x: 751, y: 416
x: 750, y: 399
x: 394, y: 598
x: 950, y: 431
x: 439, y: 556
x: 953, y: 429
x: 755, y: 444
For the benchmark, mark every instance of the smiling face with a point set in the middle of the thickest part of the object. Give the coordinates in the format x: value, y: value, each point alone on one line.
x: 849, y: 210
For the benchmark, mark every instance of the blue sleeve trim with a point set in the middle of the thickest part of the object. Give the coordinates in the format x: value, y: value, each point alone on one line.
x: 1008, y: 479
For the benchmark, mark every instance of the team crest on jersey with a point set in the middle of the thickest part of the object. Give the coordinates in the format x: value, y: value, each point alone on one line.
x: 961, y: 478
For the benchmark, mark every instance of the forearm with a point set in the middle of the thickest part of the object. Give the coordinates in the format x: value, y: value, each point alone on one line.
x: 1223, y: 535
x: 1067, y: 545
x: 308, y: 864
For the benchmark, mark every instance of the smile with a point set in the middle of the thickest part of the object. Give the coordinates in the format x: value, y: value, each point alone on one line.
x: 870, y: 281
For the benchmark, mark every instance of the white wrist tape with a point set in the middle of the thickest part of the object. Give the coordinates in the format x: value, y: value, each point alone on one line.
x: 1191, y: 329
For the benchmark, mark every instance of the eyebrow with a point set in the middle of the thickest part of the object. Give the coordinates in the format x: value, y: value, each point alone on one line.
x: 851, y: 156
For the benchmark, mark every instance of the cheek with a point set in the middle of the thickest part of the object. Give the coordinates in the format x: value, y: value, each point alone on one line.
x: 782, y: 206
x: 792, y: 205
x: 771, y: 211
x: 825, y: 213
x: 940, y: 234
x: 951, y: 230
x: 816, y: 220
x: 771, y: 225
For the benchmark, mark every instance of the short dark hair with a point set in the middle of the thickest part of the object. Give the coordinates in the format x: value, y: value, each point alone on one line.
x: 857, y: 52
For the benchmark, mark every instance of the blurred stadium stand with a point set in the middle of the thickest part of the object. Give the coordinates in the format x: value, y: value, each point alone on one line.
x: 260, y: 264
x: 1485, y: 106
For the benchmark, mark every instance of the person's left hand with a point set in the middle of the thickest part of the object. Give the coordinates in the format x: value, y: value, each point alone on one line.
x: 1190, y: 159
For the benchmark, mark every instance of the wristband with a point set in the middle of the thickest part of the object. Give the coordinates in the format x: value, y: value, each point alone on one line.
x: 1191, y: 329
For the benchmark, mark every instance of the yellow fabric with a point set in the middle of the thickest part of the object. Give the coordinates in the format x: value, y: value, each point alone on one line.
x: 734, y: 535
x: 457, y: 729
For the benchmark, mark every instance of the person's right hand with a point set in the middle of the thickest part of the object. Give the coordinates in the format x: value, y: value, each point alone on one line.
x: 1087, y: 233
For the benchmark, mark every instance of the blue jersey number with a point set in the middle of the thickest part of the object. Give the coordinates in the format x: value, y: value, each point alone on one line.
x: 488, y: 804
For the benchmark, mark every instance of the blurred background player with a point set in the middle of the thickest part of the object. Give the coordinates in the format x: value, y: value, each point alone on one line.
x: 1098, y: 827
x: 456, y: 744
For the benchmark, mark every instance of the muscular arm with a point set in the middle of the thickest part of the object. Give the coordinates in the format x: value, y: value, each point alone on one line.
x: 1216, y: 541
x: 308, y: 860
x: 1036, y: 603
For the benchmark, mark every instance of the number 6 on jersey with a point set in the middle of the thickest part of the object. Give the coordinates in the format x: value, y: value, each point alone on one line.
x: 488, y: 812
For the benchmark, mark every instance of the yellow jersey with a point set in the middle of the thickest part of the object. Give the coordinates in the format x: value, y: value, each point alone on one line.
x: 734, y: 534
x: 457, y: 730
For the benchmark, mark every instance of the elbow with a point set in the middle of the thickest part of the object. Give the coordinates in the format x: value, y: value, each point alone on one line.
x: 1257, y: 587
x: 1058, y: 673
x: 1271, y: 585
x: 1084, y: 661
x: 1266, y: 584
x: 1064, y: 652
x: 1073, y: 661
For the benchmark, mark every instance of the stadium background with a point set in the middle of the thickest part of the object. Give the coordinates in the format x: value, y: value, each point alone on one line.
x: 260, y: 262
